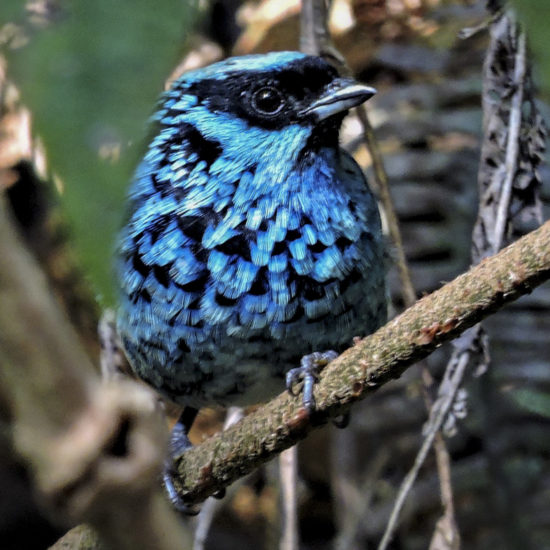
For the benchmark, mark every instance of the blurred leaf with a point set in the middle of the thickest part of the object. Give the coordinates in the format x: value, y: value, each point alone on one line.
x: 12, y: 12
x: 91, y: 79
x: 536, y: 14
x: 533, y: 401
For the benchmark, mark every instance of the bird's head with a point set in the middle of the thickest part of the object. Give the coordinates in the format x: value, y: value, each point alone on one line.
x: 252, y: 103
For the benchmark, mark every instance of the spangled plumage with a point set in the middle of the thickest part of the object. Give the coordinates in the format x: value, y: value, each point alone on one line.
x: 253, y: 238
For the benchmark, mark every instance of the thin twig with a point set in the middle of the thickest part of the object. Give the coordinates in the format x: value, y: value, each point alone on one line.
x: 443, y: 462
x: 437, y: 417
x: 407, y: 289
x: 113, y: 362
x: 313, y: 18
x: 288, y: 473
x: 512, y: 145
x: 356, y: 514
x: 384, y: 193
x: 213, y: 505
x: 315, y: 38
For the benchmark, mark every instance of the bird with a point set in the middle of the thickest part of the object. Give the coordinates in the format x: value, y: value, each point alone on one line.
x: 253, y: 250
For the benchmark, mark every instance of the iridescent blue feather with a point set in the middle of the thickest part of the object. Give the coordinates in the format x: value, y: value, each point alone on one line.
x: 253, y: 239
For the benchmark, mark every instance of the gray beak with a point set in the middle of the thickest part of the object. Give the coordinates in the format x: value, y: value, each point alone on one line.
x: 341, y: 95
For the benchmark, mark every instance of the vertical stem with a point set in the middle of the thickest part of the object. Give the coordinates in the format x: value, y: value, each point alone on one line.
x: 288, y: 468
x: 512, y: 146
x: 383, y: 188
x: 314, y: 26
x: 437, y: 416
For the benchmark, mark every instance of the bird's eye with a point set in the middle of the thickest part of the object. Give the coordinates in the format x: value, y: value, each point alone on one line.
x: 267, y: 101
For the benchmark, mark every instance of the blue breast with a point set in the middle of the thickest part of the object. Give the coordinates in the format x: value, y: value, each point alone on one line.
x: 242, y: 254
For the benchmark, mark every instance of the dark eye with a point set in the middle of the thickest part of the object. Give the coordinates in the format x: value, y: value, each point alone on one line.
x: 268, y: 101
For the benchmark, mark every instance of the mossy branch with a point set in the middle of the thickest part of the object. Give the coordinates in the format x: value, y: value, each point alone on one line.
x: 54, y: 392
x: 372, y: 362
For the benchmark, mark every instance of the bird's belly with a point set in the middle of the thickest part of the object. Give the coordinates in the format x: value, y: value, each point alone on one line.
x: 247, y: 368
x: 229, y: 375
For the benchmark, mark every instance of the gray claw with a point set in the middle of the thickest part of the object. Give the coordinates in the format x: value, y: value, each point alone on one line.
x: 175, y: 499
x: 308, y: 372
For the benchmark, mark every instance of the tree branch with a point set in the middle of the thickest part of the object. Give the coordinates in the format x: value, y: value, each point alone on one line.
x: 374, y: 361
x: 50, y: 383
x: 95, y: 450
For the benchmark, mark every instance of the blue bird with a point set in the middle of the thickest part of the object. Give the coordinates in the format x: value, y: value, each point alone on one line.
x: 253, y: 238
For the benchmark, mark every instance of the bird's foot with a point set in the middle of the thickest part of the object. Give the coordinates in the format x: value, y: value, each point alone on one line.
x: 308, y: 373
x: 168, y: 475
x: 179, y: 443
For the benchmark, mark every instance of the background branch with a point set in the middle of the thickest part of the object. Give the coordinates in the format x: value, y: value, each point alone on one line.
x: 94, y: 450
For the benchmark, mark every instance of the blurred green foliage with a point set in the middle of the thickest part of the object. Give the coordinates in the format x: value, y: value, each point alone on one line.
x: 534, y: 401
x: 91, y: 78
x: 535, y: 14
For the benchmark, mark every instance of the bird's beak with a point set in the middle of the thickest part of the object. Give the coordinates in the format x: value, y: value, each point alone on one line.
x: 341, y: 95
